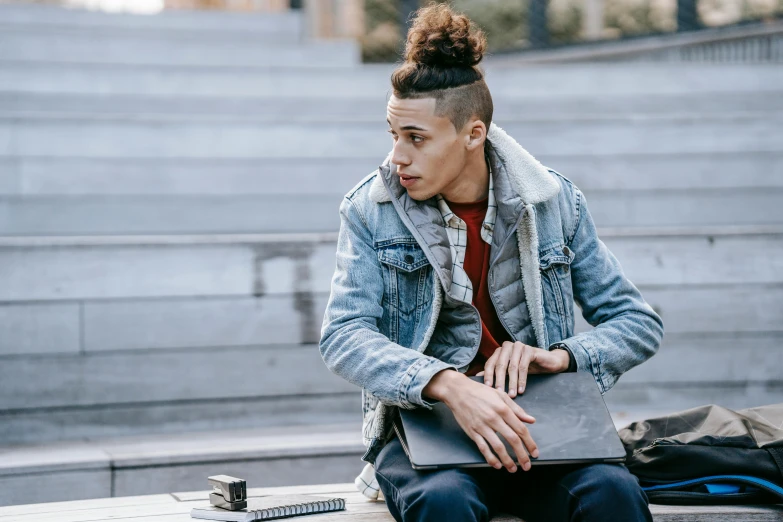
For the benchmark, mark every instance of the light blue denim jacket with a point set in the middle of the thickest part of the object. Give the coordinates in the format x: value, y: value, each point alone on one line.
x: 391, y: 324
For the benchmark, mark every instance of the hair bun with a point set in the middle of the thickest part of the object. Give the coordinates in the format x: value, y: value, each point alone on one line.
x: 441, y: 38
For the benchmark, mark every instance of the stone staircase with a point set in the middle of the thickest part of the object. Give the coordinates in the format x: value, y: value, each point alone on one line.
x: 168, y: 221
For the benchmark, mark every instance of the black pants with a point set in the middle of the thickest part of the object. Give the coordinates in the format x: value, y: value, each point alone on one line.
x: 596, y: 492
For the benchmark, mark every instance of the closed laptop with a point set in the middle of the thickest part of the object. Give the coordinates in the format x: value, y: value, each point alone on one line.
x: 572, y: 426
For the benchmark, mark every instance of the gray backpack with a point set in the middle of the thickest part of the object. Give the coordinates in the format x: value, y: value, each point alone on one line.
x: 709, y: 455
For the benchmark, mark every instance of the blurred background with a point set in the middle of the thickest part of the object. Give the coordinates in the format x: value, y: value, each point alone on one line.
x: 170, y: 173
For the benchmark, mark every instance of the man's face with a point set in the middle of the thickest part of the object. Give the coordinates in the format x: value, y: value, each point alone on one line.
x: 429, y: 152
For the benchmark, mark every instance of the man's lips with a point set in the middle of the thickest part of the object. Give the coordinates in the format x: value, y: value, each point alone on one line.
x: 406, y: 181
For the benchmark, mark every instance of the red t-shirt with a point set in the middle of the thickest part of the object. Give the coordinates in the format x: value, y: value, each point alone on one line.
x: 493, y: 334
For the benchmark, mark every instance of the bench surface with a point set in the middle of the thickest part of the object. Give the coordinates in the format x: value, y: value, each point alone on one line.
x: 175, y: 507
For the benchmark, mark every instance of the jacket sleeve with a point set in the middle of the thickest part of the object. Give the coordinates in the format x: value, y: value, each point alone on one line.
x: 627, y: 331
x: 351, y: 344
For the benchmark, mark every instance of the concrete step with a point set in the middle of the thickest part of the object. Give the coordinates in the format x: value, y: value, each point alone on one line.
x: 166, y: 138
x: 370, y: 108
x: 274, y: 322
x: 271, y: 213
x: 154, y: 374
x: 278, y: 29
x: 373, y: 80
x: 141, y: 465
x: 286, y: 372
x: 215, y: 269
x: 94, y: 327
x: 114, y: 79
x: 208, y: 23
x: 37, y: 176
x: 77, y: 46
x: 629, y: 402
x: 173, y: 391
x: 161, y: 417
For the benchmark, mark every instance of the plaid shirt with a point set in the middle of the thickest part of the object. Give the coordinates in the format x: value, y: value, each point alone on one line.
x: 461, y: 287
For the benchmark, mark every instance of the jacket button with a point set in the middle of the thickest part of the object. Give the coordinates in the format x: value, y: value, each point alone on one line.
x: 409, y: 259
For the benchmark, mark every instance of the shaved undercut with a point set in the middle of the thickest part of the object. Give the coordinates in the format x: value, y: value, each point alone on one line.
x: 459, y: 104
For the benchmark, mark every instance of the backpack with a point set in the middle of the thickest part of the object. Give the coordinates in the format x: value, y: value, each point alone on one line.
x: 709, y: 455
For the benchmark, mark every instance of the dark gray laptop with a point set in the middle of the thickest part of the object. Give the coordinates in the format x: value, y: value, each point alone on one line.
x: 572, y: 426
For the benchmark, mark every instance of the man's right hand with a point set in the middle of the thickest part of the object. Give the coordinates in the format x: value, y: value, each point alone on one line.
x: 481, y: 411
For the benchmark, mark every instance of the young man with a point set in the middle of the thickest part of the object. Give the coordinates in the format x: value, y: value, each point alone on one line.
x: 462, y: 254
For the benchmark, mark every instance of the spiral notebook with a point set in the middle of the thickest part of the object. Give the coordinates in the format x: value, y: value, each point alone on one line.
x: 271, y: 507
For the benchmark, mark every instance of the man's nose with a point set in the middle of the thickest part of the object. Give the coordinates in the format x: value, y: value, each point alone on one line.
x: 398, y: 157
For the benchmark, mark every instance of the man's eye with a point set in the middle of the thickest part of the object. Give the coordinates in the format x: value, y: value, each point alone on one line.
x: 416, y: 139
x: 394, y: 135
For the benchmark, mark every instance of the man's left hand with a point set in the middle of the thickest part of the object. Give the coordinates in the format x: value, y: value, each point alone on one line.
x: 519, y: 359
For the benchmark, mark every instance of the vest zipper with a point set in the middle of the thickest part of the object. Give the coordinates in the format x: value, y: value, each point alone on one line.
x: 492, y: 278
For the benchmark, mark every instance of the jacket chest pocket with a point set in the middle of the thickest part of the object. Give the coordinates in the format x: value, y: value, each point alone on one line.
x: 405, y: 274
x: 558, y: 293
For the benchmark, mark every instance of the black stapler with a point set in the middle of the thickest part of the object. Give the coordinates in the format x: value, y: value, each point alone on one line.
x: 228, y: 492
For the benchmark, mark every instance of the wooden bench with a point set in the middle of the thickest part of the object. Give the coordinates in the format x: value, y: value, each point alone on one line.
x: 175, y: 507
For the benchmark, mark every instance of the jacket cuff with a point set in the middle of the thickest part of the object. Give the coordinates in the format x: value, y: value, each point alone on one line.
x: 571, y: 359
x: 579, y: 359
x: 416, y: 379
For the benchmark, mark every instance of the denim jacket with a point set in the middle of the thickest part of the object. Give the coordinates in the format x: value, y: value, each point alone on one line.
x: 391, y: 324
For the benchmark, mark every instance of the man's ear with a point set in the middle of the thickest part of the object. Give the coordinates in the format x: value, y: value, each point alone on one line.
x: 477, y: 134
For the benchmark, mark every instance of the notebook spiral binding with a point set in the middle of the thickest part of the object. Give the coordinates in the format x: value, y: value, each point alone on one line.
x: 332, y: 504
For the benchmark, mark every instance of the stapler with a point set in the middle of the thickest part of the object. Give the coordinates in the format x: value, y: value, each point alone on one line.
x: 228, y: 492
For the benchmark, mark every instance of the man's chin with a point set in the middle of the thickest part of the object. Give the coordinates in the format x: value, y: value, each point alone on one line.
x: 418, y: 195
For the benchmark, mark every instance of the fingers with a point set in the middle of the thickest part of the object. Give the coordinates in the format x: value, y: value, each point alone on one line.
x: 500, y: 450
x: 512, y: 359
x: 527, y: 358
x: 513, y: 367
x: 489, y: 367
x: 522, y: 433
x: 490, y: 421
x: 479, y: 374
x: 520, y: 413
x: 502, y: 365
x: 517, y: 444
x: 483, y: 447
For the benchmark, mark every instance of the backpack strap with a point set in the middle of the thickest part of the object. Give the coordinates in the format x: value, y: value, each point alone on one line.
x: 777, y: 455
x: 765, y: 485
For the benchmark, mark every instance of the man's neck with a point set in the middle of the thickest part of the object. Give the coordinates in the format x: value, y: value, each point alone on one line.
x: 472, y: 184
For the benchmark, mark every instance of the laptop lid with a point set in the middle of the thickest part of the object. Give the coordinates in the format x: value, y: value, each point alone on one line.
x: 572, y: 426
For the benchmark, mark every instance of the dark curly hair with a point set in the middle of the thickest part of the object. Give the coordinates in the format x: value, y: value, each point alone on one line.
x: 442, y: 53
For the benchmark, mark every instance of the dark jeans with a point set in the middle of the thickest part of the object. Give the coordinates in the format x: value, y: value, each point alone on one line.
x: 605, y: 492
